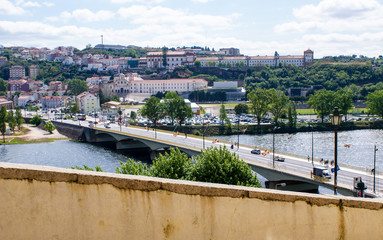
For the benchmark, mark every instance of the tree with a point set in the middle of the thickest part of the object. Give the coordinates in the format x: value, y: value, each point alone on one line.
x: 116, y: 98
x: 197, y: 63
x: 165, y: 56
x: 77, y: 86
x: 19, y: 118
x: 375, y: 103
x: 174, y: 165
x: 323, y: 102
x: 133, y: 115
x: 153, y: 109
x: 222, y: 114
x: 278, y: 100
x: 183, y: 111
x: 49, y: 127
x: 259, y: 103
x: 3, y: 119
x: 219, y: 165
x: 241, y: 108
x: 36, y: 120
x: 3, y: 86
x: 11, y: 120
x: 170, y: 105
x: 74, y: 108
x: 343, y: 100
x: 134, y: 168
x: 292, y: 115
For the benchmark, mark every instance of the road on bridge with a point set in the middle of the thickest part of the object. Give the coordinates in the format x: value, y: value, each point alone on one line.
x: 293, y: 165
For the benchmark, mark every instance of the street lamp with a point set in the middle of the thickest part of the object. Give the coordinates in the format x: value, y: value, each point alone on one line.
x: 374, y: 170
x: 335, y: 121
x: 239, y: 119
x: 275, y: 128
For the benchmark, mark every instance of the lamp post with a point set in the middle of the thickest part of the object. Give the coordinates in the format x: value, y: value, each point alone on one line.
x: 274, y: 145
x: 375, y: 149
x: 239, y: 119
x: 203, y: 134
x: 335, y: 121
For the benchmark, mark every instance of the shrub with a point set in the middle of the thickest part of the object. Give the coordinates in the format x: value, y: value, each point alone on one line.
x: 36, y: 120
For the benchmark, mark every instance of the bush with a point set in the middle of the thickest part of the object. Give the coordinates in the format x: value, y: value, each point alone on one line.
x: 49, y: 127
x: 132, y: 167
x: 36, y: 120
x: 174, y: 165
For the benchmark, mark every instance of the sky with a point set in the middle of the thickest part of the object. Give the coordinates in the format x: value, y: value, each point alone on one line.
x: 328, y: 27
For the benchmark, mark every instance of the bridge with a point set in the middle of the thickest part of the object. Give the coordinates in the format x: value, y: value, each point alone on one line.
x: 292, y: 170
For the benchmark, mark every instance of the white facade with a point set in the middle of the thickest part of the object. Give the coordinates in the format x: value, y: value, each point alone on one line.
x: 23, y: 100
x: 88, y: 102
x: 155, y: 59
x: 297, y: 60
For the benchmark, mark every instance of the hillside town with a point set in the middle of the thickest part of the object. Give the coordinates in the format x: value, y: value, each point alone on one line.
x: 119, y: 76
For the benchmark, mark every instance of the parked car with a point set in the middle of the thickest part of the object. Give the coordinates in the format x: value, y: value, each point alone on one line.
x: 256, y: 151
x: 106, y: 125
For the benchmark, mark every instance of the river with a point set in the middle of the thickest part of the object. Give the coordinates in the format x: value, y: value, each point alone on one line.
x: 355, y: 148
x: 64, y: 154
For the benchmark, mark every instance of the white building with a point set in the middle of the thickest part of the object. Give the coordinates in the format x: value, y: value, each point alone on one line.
x: 88, y: 103
x: 298, y: 60
x: 174, y: 58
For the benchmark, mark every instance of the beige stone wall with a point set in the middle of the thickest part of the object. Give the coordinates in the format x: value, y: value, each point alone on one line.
x: 50, y: 203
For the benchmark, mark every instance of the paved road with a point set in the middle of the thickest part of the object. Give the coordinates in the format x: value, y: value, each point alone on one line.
x: 295, y: 165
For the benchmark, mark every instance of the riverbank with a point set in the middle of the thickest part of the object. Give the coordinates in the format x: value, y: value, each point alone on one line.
x: 32, y: 134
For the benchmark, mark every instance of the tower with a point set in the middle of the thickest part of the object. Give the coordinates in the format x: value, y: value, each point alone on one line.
x: 308, y: 57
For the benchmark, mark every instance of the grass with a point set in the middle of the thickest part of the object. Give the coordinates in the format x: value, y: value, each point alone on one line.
x: 22, y: 141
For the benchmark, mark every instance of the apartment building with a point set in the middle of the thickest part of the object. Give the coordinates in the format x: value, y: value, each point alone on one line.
x: 33, y: 71
x: 16, y: 72
x: 88, y: 102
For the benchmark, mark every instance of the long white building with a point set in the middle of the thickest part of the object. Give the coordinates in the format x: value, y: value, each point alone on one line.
x: 132, y: 83
x: 298, y: 60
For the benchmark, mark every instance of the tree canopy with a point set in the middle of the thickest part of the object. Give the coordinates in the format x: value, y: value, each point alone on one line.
x: 77, y: 86
x: 375, y: 103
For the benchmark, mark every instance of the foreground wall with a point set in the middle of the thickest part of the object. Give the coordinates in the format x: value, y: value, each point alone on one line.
x: 51, y: 203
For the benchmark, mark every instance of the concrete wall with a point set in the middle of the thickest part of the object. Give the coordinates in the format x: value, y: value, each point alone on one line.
x: 50, y: 203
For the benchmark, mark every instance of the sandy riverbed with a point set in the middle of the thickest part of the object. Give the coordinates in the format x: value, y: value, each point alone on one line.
x: 36, y: 133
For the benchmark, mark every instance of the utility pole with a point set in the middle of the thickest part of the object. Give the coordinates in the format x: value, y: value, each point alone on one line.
x: 375, y: 149
x: 239, y: 119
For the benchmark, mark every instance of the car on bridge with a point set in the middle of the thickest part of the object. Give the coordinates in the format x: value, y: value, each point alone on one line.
x: 279, y: 158
x: 256, y: 151
x: 107, y: 125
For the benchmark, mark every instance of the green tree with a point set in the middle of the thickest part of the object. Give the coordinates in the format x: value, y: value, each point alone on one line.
x: 36, y: 120
x: 3, y: 120
x: 323, y: 102
x: 165, y: 56
x: 153, y: 109
x: 85, y: 167
x: 19, y: 118
x: 343, y: 100
x: 3, y: 85
x: 222, y: 114
x: 292, y: 115
x: 375, y: 103
x: 278, y: 101
x: 49, y: 127
x: 183, y: 111
x: 259, y: 103
x: 174, y: 165
x: 74, y: 108
x: 11, y: 120
x: 197, y: 63
x: 133, y: 168
x: 77, y: 86
x: 133, y: 115
x: 116, y: 98
x: 219, y: 165
x: 170, y: 105
x: 241, y: 108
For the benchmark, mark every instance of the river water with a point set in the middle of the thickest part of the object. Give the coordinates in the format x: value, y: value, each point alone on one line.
x: 64, y: 154
x: 355, y: 148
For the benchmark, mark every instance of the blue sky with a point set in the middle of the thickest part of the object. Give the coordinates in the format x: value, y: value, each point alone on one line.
x: 328, y: 27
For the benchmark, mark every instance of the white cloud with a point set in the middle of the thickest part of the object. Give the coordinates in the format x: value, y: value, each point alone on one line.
x: 8, y: 8
x: 85, y: 15
x: 167, y: 16
x: 31, y: 4
x: 138, y: 1
x: 202, y: 1
x: 48, y: 4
